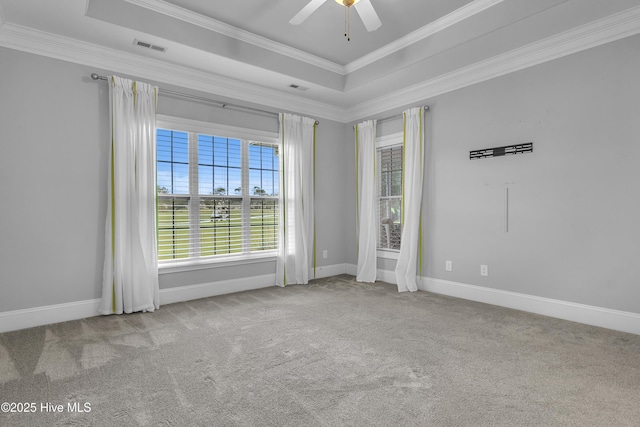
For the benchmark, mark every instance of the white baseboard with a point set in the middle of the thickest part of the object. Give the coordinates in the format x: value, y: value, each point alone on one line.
x: 388, y: 276
x: 46, y: 315
x: 38, y: 316
x: 330, y: 270
x: 591, y: 315
x: 351, y: 269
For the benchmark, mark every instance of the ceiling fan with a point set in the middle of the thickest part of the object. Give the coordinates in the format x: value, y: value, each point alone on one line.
x: 363, y: 7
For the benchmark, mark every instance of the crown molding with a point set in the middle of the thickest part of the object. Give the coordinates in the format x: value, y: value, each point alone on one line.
x: 599, y: 32
x: 54, y: 46
x: 428, y: 30
x: 614, y: 27
x: 211, y: 24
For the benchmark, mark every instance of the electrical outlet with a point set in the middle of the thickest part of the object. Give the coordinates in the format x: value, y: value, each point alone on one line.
x: 484, y: 270
x: 448, y: 265
x: 325, y: 254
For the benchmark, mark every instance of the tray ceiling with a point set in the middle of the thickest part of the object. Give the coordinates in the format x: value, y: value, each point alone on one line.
x: 250, y: 52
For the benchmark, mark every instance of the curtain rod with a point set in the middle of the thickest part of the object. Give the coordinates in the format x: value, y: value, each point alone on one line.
x: 426, y: 108
x: 220, y: 104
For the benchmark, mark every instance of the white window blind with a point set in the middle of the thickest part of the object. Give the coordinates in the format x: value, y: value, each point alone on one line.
x: 217, y: 195
x: 389, y: 167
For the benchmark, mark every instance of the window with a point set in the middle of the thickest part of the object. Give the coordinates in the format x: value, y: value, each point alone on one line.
x: 389, y: 175
x: 217, y: 195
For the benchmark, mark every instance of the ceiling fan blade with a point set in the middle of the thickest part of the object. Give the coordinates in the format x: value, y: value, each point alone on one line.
x: 368, y: 15
x: 306, y: 12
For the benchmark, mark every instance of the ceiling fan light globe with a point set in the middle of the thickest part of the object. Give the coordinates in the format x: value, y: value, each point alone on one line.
x: 347, y: 3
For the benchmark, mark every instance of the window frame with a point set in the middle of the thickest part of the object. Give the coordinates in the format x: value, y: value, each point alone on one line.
x: 243, y: 134
x: 386, y: 141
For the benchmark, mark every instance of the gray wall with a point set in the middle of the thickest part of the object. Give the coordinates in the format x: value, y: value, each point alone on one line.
x: 574, y: 202
x: 53, y: 171
x: 52, y: 181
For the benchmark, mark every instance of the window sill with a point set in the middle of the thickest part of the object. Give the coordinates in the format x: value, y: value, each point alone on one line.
x: 388, y: 253
x: 168, y: 267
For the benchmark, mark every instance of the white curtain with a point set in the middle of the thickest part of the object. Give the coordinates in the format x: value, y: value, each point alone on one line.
x: 130, y: 278
x: 410, y: 245
x: 366, y: 201
x: 296, y: 248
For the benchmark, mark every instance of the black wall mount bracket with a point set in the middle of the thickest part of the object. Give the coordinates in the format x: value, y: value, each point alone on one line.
x: 506, y: 150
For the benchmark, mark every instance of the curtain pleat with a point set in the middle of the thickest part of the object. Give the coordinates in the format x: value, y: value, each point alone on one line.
x: 296, y: 247
x: 366, y: 201
x: 412, y: 177
x: 130, y: 277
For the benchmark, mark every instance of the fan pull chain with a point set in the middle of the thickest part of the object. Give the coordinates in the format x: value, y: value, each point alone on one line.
x: 347, y: 22
x: 347, y: 18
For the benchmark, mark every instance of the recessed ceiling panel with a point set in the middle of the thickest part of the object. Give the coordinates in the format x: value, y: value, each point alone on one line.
x: 322, y: 34
x: 248, y: 51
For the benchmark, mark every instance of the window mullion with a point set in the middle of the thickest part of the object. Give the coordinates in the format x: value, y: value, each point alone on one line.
x: 194, y: 199
x: 246, y: 199
x: 378, y: 196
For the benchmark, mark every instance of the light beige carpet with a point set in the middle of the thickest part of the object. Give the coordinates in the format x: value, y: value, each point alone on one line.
x: 332, y: 353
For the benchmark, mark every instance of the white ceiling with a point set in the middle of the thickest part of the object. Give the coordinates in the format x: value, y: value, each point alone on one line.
x: 322, y: 34
x: 248, y: 51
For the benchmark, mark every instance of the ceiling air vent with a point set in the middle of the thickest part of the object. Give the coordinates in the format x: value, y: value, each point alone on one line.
x: 298, y: 87
x: 137, y: 42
